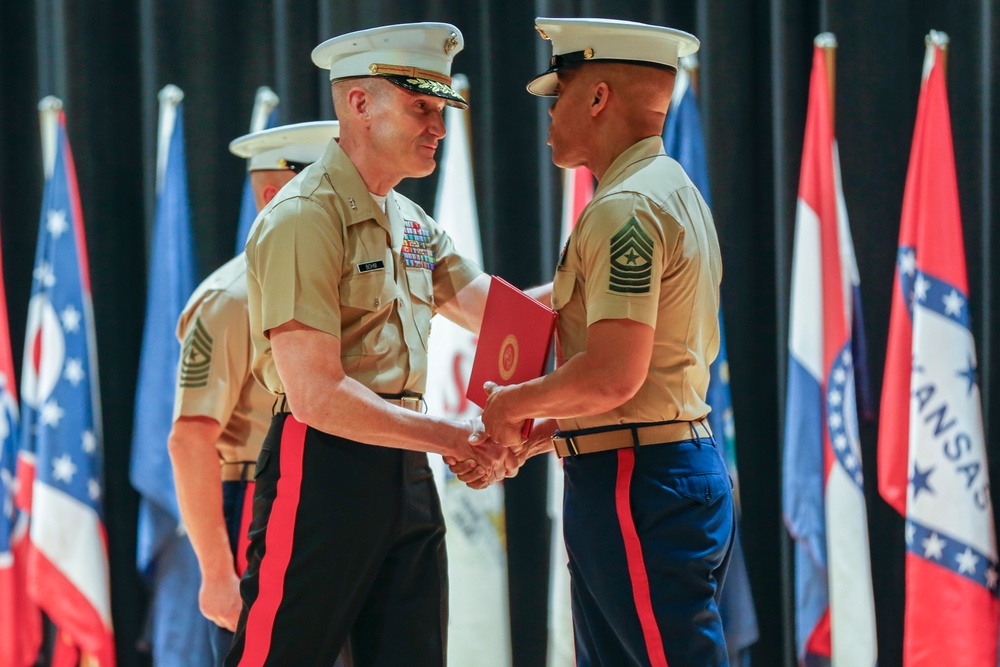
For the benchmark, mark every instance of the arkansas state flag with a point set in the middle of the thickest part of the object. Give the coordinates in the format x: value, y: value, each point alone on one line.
x: 823, y: 498
x: 932, y: 457
x: 68, y: 554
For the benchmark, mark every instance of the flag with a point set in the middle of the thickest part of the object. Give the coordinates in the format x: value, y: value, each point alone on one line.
x: 263, y: 116
x: 179, y: 633
x: 61, y: 424
x: 683, y: 140
x: 823, y: 497
x: 20, y: 621
x: 479, y: 622
x: 932, y: 455
x: 578, y: 190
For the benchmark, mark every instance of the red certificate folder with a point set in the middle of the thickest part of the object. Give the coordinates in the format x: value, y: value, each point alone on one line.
x: 514, y: 341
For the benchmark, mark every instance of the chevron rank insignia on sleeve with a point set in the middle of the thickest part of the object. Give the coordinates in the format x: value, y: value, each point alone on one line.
x: 196, y: 357
x: 631, y: 259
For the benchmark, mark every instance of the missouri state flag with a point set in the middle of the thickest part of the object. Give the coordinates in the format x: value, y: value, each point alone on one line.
x: 68, y: 572
x: 932, y: 455
x: 823, y: 498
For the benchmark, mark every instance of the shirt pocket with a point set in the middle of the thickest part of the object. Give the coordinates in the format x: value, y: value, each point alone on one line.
x: 422, y: 300
x: 562, y: 288
x: 370, y: 291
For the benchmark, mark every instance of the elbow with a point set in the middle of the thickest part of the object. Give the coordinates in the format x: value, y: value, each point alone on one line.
x: 616, y: 390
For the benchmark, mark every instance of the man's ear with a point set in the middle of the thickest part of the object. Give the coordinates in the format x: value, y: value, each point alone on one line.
x: 601, y: 94
x: 359, y: 102
x: 267, y: 192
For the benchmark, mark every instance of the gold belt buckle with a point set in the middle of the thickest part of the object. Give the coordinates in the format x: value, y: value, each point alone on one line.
x: 415, y: 403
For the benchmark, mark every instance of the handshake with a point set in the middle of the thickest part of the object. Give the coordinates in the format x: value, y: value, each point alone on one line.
x: 496, y: 451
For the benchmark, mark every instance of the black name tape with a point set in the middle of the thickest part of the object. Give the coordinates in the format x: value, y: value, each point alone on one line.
x: 365, y: 267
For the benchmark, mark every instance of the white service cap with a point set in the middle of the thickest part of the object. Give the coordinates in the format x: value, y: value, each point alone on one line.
x: 576, y: 41
x: 415, y: 56
x: 286, y: 147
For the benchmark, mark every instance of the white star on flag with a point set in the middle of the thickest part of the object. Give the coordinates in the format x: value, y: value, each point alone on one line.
x: 839, y: 376
x: 908, y: 263
x: 835, y: 398
x: 51, y: 414
x: 71, y: 317
x: 953, y: 303
x: 850, y: 461
x: 836, y: 421
x: 44, y: 274
x: 911, y: 532
x: 846, y: 357
x: 56, y: 223
x: 94, y: 490
x: 967, y: 562
x: 88, y: 443
x: 934, y: 547
x: 840, y: 442
x: 63, y: 468
x: 920, y: 287
x: 74, y: 371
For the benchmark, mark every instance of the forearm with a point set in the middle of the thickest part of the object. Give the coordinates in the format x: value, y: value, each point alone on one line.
x: 199, y: 495
x: 350, y: 410
x: 576, y: 389
x: 542, y: 293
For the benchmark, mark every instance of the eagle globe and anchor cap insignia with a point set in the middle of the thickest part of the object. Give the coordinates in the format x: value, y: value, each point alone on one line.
x: 507, y: 362
x: 631, y: 259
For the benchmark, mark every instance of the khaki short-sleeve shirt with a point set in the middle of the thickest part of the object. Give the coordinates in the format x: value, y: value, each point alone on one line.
x: 324, y: 254
x: 213, y: 376
x: 645, y: 249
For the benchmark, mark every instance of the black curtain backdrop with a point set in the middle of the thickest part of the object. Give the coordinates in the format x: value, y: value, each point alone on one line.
x: 108, y: 58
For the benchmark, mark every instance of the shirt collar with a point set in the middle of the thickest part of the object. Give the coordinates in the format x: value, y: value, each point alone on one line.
x: 351, y: 187
x: 640, y: 150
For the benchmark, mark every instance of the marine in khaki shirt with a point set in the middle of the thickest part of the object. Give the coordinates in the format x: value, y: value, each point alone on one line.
x: 645, y: 249
x: 331, y: 259
x: 647, y: 508
x: 214, y: 379
x: 221, y: 413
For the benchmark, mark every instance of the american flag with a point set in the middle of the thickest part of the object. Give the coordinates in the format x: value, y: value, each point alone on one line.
x: 68, y: 561
x: 932, y: 454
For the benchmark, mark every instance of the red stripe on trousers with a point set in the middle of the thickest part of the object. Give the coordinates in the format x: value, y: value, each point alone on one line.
x: 636, y: 565
x: 243, y: 537
x: 278, y: 546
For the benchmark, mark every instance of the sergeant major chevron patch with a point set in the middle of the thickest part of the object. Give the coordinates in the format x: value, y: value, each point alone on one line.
x: 196, y: 357
x: 631, y: 259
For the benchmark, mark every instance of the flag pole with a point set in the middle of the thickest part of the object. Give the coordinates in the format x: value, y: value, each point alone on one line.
x: 49, y: 109
x: 937, y: 39
x: 827, y: 41
x: 264, y: 102
x: 170, y: 97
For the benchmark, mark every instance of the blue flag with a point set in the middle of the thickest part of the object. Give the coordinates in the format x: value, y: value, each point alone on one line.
x: 683, y: 140
x: 248, y: 207
x: 178, y: 632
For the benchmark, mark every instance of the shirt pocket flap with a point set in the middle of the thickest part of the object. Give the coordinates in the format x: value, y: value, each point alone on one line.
x: 421, y: 285
x: 368, y: 291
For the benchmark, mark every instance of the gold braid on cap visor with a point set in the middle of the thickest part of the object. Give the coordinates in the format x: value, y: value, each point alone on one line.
x: 415, y: 72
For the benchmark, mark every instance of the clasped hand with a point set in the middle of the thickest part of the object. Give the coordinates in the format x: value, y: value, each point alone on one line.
x: 498, y: 448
